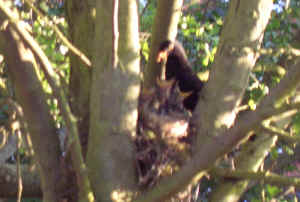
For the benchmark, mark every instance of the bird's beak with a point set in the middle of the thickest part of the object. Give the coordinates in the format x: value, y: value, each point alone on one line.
x: 162, y: 56
x: 185, y: 94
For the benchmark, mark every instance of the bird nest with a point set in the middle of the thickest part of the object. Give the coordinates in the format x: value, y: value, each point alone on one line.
x: 164, y: 132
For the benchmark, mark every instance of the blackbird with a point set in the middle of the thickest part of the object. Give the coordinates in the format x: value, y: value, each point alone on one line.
x: 179, y: 68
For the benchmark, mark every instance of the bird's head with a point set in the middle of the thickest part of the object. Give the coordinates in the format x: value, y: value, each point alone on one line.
x: 164, y: 50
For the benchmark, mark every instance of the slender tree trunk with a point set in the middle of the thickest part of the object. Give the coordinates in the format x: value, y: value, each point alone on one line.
x: 81, y: 21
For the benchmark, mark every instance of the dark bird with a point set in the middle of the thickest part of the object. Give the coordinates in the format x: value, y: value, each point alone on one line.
x: 179, y: 68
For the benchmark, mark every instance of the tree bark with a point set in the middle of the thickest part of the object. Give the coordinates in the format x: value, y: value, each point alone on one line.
x: 236, y: 56
x: 114, y: 95
x: 81, y: 20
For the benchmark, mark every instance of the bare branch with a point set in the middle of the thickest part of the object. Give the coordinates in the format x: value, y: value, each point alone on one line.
x: 19, y: 173
x: 263, y: 176
x: 280, y: 133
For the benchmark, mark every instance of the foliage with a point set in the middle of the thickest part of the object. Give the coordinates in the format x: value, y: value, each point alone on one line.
x: 57, y: 54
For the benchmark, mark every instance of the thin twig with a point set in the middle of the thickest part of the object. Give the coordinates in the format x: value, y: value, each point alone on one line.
x: 145, y: 7
x: 23, y: 128
x: 19, y: 175
x: 280, y: 133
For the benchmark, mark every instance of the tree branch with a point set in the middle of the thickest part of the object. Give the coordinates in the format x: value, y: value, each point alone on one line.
x: 263, y: 176
x: 280, y: 133
x: 19, y: 172
x: 250, y: 158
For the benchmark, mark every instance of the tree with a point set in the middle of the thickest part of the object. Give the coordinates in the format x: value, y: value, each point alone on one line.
x: 95, y: 99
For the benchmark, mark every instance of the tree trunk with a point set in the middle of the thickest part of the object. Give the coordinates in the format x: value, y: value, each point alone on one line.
x: 114, y: 95
x: 81, y: 21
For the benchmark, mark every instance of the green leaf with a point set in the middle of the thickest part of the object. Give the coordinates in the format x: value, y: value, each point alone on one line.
x: 296, y: 124
x: 44, y: 6
x: 288, y: 150
x: 145, y: 50
x: 272, y: 190
x: 252, y: 104
x: 200, y: 31
x: 275, y: 23
x: 205, y: 61
x: 274, y: 153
